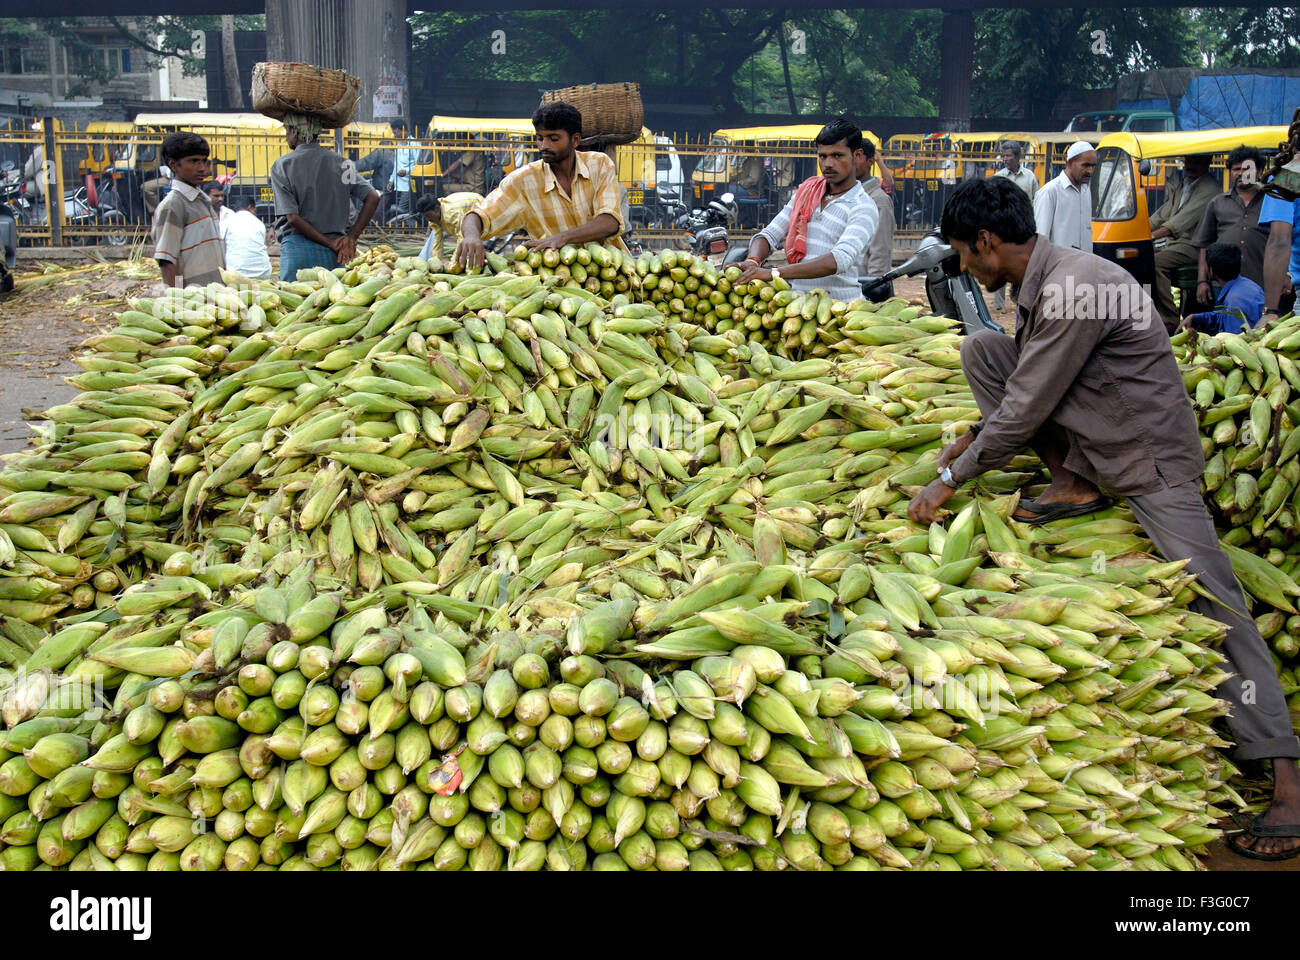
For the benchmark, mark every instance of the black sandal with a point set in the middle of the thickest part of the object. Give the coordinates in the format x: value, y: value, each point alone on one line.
x: 1259, y: 831
x: 1047, y: 512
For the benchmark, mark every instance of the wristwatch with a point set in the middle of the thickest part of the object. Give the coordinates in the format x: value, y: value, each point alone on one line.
x: 946, y: 478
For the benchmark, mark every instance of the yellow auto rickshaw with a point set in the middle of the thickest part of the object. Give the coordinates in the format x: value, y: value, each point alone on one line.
x: 504, y: 145
x: 650, y: 170
x: 105, y: 139
x: 243, y: 146
x: 1129, y: 183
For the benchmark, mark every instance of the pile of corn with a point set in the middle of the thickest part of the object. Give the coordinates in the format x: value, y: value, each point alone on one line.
x: 420, y: 570
x: 691, y: 289
x: 312, y: 728
x: 1246, y: 390
x: 598, y: 269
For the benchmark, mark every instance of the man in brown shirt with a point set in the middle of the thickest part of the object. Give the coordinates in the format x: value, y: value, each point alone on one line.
x: 1233, y: 217
x: 1175, y: 222
x: 1090, y: 383
x: 467, y: 173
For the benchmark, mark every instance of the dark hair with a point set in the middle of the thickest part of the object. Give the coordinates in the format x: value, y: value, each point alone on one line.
x: 425, y: 203
x: 242, y: 201
x: 1246, y: 153
x: 994, y: 204
x: 1224, y: 259
x: 1013, y: 147
x: 178, y: 146
x: 868, y: 148
x: 214, y: 185
x: 558, y: 116
x: 840, y: 129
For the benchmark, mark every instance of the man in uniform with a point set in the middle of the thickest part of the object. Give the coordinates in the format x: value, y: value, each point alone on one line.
x: 467, y: 173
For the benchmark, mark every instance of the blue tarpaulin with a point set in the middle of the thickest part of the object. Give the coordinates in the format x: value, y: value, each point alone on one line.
x: 1243, y: 100
x: 1155, y: 103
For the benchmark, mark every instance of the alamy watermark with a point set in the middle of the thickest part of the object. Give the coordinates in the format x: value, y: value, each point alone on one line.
x: 26, y: 693
x: 1084, y: 300
x: 84, y: 914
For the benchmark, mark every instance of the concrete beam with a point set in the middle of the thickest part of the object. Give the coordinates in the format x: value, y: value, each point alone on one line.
x: 956, y: 61
x: 129, y: 8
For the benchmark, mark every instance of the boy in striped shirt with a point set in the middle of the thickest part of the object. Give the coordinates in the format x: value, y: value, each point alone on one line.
x: 186, y: 235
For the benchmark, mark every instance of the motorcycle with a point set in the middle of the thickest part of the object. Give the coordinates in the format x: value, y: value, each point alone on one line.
x: 952, y: 292
x: 84, y: 207
x: 103, y: 206
x: 8, y: 227
x: 706, y: 228
x: 13, y: 192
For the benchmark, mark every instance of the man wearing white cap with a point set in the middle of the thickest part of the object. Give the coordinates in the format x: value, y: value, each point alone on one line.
x: 1063, y: 208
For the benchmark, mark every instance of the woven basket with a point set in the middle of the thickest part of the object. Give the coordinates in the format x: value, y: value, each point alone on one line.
x: 610, y: 111
x: 284, y: 88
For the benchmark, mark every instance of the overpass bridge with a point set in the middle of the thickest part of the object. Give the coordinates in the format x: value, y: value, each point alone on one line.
x: 370, y: 39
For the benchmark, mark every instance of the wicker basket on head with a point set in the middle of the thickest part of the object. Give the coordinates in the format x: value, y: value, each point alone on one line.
x: 284, y: 88
x: 610, y: 111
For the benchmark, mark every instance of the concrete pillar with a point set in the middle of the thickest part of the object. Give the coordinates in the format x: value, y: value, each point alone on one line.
x: 956, y: 59
x: 367, y: 38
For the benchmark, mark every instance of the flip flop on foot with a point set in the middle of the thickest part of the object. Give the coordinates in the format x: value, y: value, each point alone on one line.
x: 1258, y: 831
x: 1047, y: 512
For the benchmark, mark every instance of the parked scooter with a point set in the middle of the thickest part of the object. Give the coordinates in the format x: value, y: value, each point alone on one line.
x: 13, y: 191
x: 706, y: 228
x: 952, y: 292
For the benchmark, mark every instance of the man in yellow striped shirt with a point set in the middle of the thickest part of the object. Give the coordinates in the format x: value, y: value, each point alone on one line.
x: 445, y: 215
x: 566, y: 197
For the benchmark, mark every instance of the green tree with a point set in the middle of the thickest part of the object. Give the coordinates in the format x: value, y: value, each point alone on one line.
x: 157, y: 37
x: 853, y: 61
x: 703, y: 52
x: 1235, y: 37
x: 1025, y: 59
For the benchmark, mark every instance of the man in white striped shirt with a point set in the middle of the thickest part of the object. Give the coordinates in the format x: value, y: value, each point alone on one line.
x: 827, y: 225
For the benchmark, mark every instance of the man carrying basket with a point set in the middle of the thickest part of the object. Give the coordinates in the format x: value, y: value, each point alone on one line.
x: 313, y: 187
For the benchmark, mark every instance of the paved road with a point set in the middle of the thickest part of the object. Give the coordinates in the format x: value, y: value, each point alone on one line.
x: 40, y: 328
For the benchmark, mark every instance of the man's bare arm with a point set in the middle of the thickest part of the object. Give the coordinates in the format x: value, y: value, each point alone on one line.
x: 759, y: 248
x: 1277, y: 263
x: 367, y: 211
x: 822, y: 266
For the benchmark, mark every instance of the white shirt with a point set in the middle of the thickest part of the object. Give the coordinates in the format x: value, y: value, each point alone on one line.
x: 843, y: 228
x: 1063, y: 213
x: 245, y: 239
x: 407, y: 156
x: 1023, y: 178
